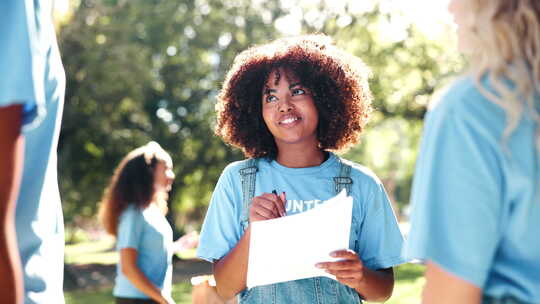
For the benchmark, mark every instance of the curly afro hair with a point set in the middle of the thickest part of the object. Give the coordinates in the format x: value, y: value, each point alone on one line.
x: 336, y: 79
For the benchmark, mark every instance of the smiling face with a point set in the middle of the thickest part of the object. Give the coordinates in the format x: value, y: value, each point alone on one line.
x: 289, y: 111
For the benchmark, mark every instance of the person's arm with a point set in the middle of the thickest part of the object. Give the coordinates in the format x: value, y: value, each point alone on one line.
x: 11, y: 163
x: 128, y: 260
x: 230, y: 272
x: 186, y: 242
x: 372, y: 285
x: 443, y: 287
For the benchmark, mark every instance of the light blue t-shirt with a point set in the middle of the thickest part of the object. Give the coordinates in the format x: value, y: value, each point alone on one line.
x: 476, y: 200
x: 33, y: 76
x: 375, y: 235
x: 150, y: 234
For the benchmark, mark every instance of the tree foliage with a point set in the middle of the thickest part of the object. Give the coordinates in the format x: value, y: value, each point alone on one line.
x: 144, y: 70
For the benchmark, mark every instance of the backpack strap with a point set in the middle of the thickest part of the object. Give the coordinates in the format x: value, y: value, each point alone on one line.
x: 344, y: 180
x: 248, y: 174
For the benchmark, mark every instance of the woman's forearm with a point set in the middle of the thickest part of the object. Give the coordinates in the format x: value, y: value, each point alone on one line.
x: 139, y: 280
x: 230, y: 272
x: 377, y: 285
x: 128, y: 262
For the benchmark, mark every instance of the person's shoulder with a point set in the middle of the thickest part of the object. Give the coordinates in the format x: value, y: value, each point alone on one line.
x: 235, y: 167
x: 464, y: 98
x: 131, y: 211
x: 465, y: 104
x: 362, y: 174
x: 454, y: 95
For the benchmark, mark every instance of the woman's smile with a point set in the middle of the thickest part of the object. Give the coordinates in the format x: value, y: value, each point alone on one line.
x: 289, y: 120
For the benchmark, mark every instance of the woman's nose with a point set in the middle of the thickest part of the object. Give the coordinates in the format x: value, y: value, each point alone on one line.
x: 285, y: 105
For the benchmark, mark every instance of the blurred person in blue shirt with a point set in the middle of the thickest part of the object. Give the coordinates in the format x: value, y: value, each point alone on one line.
x: 476, y: 191
x: 133, y: 210
x: 31, y: 101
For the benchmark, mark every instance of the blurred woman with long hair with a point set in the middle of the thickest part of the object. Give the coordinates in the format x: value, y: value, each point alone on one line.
x: 476, y: 192
x: 133, y: 210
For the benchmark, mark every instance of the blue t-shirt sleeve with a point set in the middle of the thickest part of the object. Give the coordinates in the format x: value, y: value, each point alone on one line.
x: 380, y: 240
x: 130, y: 229
x: 221, y: 229
x: 22, y: 59
x: 455, y: 195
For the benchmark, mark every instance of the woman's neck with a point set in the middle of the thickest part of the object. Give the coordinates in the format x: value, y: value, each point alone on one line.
x: 160, y: 200
x: 300, y: 158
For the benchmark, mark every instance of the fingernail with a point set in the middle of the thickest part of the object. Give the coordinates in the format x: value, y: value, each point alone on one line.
x: 333, y: 254
x: 319, y: 265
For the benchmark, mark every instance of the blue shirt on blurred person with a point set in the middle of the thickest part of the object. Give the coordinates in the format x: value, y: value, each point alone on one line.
x: 33, y: 76
x: 476, y: 195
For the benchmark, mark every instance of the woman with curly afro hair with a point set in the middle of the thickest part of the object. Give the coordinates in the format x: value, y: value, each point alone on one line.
x: 290, y: 105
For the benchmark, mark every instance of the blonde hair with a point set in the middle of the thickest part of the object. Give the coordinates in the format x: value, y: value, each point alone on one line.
x: 507, y: 34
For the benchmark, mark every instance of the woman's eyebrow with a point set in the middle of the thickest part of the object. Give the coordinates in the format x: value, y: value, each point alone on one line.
x: 294, y: 85
x: 267, y: 90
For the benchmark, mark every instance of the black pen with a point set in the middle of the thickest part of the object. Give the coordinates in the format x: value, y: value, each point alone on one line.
x: 275, y: 192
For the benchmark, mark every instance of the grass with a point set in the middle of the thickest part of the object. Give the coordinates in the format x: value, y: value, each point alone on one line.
x: 181, y: 293
x: 100, y: 252
x: 409, y: 283
x: 409, y: 277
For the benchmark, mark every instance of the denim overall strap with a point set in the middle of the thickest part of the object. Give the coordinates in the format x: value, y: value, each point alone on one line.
x: 248, y: 175
x: 503, y: 300
x: 343, y: 181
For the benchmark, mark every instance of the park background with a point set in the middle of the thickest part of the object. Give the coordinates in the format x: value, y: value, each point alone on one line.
x: 142, y: 70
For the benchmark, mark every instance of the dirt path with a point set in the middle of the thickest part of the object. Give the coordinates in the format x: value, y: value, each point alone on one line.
x: 97, y: 276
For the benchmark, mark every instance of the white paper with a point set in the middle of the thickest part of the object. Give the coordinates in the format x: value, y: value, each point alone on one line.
x: 287, y: 248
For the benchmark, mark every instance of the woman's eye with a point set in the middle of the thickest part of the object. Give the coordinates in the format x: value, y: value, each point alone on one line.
x: 298, y: 91
x: 271, y: 98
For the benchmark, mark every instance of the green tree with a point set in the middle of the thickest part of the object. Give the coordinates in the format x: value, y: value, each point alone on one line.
x: 148, y: 70
x: 145, y: 70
